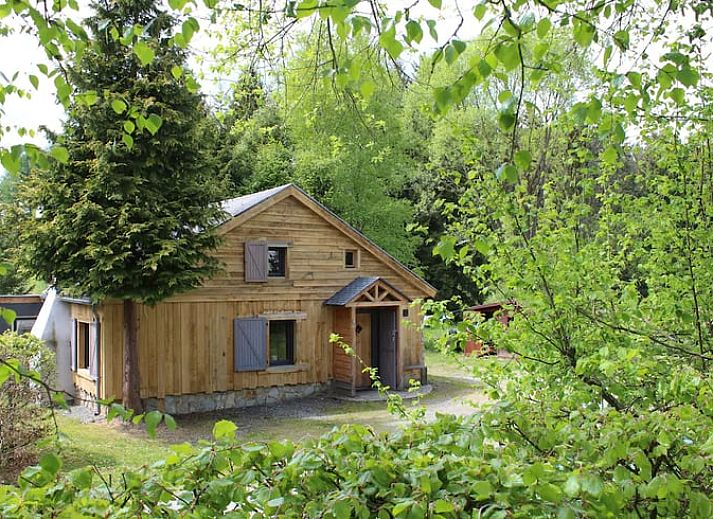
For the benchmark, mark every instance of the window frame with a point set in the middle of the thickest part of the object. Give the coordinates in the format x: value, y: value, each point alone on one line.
x: 290, y: 342
x: 355, y: 259
x: 83, y: 345
x: 282, y: 252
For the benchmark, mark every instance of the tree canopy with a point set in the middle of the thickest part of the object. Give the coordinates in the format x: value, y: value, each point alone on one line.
x: 558, y: 159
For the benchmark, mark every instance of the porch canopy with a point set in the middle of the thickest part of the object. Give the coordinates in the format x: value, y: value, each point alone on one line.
x: 367, y: 317
x: 368, y: 292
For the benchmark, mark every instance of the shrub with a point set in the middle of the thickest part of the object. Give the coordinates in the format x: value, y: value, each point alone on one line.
x: 24, y: 413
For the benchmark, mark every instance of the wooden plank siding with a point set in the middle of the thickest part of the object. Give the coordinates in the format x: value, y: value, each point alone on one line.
x: 186, y: 342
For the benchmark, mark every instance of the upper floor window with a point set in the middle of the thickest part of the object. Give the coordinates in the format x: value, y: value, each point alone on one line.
x: 277, y: 262
x: 264, y: 260
x: 351, y: 259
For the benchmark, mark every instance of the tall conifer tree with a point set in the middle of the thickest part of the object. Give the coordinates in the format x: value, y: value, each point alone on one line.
x: 128, y: 213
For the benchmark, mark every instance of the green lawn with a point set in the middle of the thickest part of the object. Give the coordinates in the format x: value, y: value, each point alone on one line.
x: 113, y: 446
x: 106, y: 445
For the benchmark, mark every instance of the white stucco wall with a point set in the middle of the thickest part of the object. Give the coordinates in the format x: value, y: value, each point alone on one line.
x: 54, y: 326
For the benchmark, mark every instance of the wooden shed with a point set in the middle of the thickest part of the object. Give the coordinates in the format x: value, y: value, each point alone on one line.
x: 258, y: 332
x: 25, y: 308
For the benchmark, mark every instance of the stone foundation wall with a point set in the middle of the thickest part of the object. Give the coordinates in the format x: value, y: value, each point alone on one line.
x: 206, y: 402
x: 84, y: 398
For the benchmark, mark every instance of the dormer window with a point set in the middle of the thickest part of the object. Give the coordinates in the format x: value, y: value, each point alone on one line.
x: 276, y: 262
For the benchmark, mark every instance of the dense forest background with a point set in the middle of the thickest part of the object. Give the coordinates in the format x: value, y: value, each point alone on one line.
x: 382, y: 158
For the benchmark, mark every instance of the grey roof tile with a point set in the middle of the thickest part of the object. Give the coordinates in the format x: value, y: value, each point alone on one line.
x: 350, y: 291
x: 236, y: 206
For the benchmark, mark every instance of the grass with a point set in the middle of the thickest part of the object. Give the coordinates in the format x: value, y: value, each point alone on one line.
x: 113, y: 447
x: 106, y: 445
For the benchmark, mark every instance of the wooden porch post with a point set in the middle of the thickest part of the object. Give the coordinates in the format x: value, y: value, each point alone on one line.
x: 352, y: 343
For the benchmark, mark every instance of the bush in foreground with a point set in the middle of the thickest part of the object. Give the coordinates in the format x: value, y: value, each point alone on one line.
x: 24, y: 417
x: 449, y: 468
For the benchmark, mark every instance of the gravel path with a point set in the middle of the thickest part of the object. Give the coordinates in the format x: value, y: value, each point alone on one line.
x: 452, y: 392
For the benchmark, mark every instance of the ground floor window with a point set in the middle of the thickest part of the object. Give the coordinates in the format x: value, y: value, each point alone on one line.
x: 282, y: 343
x: 83, y: 345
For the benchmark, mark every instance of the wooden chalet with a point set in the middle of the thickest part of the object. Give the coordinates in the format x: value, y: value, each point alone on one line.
x: 259, y: 331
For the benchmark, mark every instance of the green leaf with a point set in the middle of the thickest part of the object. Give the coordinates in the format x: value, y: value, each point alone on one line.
x: 224, y: 429
x: 506, y: 120
x: 483, y: 489
x: 523, y: 158
x: 81, y: 478
x: 153, y: 123
x: 129, y: 126
x: 594, y: 110
x: 152, y: 419
x: 592, y: 485
x: 436, y: 3
x: 389, y: 42
x: 170, y: 422
x: 306, y: 8
x: 118, y: 106
x: 176, y: 71
x: 442, y: 507
x: 432, y: 29
x: 145, y: 53
x: 480, y: 10
x: 610, y: 155
x: 401, y: 507
x: 60, y: 154
x: 635, y: 79
x: 276, y: 502
x: 177, y: 4
x: 5, y: 372
x: 88, y: 98
x: 571, y: 486
x: 543, y: 27
x: 583, y: 34
x: 342, y: 510
x: 550, y: 492
x: 445, y: 248
x: 414, y: 31
x: 367, y: 88
x: 678, y: 95
x: 128, y: 140
x: 688, y: 76
x: 34, y: 80
x: 50, y: 463
x: 508, y: 54
x: 507, y: 173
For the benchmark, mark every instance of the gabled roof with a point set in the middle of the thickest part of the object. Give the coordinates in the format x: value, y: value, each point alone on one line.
x: 236, y: 206
x: 245, y: 207
x: 353, y: 290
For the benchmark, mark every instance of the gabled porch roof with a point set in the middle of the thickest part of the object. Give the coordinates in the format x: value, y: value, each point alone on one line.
x: 368, y: 291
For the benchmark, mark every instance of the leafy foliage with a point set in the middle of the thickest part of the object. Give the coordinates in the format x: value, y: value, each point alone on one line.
x: 24, y: 418
x: 127, y: 209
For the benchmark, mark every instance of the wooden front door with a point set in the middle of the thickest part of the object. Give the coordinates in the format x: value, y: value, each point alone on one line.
x: 363, y: 348
x: 387, y: 347
x: 376, y: 339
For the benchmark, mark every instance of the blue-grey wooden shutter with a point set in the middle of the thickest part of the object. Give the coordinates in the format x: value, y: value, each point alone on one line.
x: 250, y: 344
x: 94, y: 331
x: 255, y: 261
x: 73, y: 345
